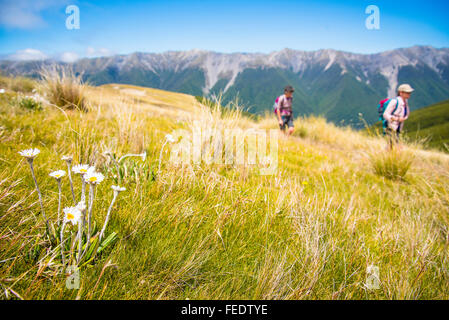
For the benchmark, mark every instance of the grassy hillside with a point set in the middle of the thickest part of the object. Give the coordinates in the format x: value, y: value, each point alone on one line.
x: 331, y: 93
x: 310, y: 231
x: 337, y: 92
x: 431, y: 124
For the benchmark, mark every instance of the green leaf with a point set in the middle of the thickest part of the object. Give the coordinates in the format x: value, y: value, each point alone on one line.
x: 108, y: 241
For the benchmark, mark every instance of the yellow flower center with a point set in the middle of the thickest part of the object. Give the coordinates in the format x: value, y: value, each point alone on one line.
x: 70, y: 216
x: 83, y: 170
x: 93, y: 179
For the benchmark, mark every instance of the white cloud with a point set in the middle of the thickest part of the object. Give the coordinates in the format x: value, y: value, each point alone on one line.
x: 68, y: 57
x: 101, y: 52
x: 25, y: 14
x: 28, y: 54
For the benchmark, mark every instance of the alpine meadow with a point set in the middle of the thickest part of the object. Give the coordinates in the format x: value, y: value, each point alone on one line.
x: 223, y: 159
x: 337, y: 204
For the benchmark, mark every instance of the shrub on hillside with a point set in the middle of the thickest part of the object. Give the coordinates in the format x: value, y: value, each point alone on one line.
x: 392, y: 164
x: 21, y: 84
x: 63, y: 88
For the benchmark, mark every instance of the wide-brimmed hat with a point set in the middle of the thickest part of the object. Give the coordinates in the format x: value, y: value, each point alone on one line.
x: 405, y: 88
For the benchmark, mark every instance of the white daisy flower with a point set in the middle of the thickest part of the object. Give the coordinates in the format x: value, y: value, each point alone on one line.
x: 81, y: 206
x: 169, y: 138
x: 82, y: 168
x: 2, y: 90
x: 72, y: 214
x: 30, y: 153
x: 57, y: 174
x: 118, y: 188
x: 93, y: 177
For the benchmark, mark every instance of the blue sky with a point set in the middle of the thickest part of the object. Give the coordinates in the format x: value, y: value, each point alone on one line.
x: 37, y: 28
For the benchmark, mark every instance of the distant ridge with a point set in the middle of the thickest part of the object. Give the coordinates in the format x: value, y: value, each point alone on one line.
x: 336, y: 84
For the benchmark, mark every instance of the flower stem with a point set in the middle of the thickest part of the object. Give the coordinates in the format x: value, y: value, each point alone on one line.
x: 59, y: 201
x: 89, y: 217
x: 71, y: 183
x: 80, y: 241
x: 107, y: 216
x: 39, y: 193
x: 62, y: 245
x: 118, y: 172
x: 83, y: 189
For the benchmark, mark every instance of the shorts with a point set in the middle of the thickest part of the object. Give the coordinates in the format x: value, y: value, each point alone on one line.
x: 287, y: 121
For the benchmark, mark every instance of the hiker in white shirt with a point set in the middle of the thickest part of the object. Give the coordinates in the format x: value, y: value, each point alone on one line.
x: 396, y: 113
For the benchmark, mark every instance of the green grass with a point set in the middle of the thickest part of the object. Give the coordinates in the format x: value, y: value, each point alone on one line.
x: 223, y: 232
x: 431, y: 124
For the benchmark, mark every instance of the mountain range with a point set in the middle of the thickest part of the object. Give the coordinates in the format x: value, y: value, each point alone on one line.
x: 338, y: 85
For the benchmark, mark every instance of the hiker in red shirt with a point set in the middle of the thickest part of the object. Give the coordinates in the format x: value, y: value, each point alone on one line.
x: 284, y: 110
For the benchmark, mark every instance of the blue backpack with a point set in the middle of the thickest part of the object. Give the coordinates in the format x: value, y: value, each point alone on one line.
x: 382, y: 107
